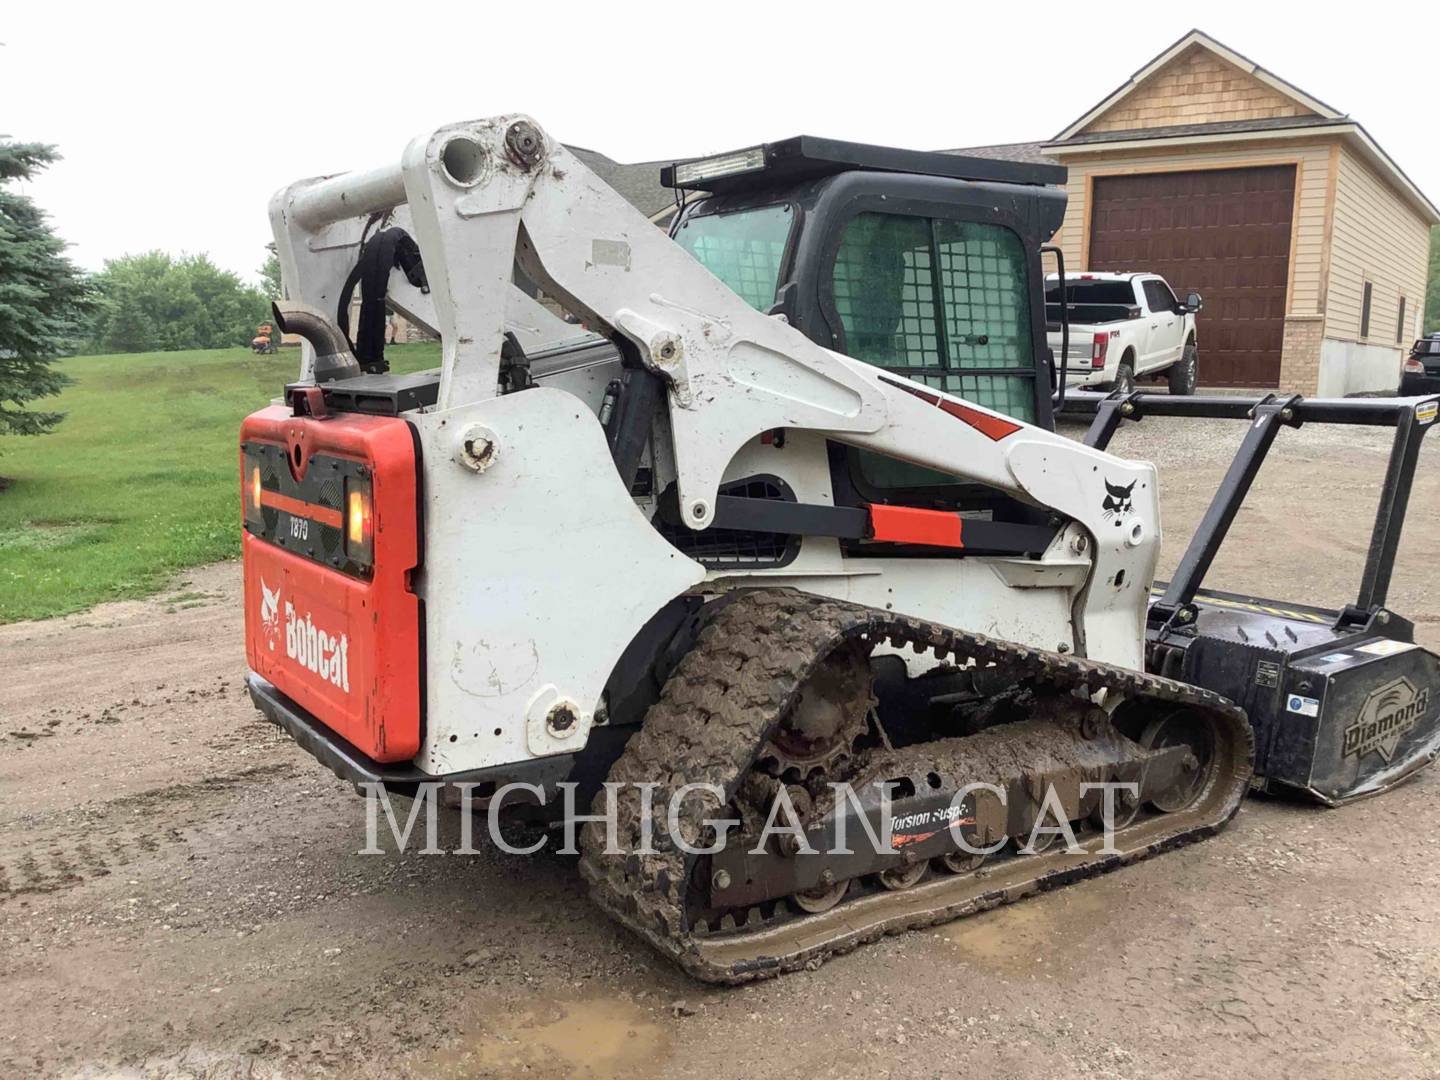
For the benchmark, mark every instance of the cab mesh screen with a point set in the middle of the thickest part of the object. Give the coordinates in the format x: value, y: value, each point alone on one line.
x: 885, y: 291
x: 956, y: 330
x: 982, y: 286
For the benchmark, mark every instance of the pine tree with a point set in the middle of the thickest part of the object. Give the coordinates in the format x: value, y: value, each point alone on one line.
x: 43, y: 297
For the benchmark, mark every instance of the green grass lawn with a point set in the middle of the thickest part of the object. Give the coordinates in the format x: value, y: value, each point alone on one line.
x: 140, y: 479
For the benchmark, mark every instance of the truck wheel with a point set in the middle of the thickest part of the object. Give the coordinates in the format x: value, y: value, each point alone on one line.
x: 1184, y: 374
x: 1124, y: 379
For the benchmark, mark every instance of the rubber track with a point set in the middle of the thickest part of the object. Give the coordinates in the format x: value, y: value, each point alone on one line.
x: 721, y: 705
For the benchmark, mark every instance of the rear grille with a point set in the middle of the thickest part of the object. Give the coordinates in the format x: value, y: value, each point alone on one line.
x: 323, y: 487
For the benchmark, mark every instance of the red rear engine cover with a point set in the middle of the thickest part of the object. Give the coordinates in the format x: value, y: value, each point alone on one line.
x: 343, y: 647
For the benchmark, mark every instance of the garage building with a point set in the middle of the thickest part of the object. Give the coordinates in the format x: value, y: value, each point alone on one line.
x: 1308, y: 243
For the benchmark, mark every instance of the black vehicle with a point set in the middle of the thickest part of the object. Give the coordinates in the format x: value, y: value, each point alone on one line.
x: 1421, y: 374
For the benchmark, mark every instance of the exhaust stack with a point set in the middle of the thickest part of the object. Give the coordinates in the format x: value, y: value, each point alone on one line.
x: 333, y: 358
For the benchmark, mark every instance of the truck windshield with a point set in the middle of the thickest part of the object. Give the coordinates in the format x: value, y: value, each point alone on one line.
x: 1091, y: 292
x: 743, y: 249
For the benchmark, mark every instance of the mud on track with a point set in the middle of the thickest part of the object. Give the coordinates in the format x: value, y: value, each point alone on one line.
x: 181, y: 894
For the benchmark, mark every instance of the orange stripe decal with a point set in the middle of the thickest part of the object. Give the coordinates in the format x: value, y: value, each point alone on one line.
x: 908, y: 525
x: 295, y: 508
x: 923, y: 395
x: 990, y: 426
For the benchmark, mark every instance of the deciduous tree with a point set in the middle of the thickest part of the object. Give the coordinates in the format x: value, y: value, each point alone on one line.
x: 157, y: 302
x: 270, y: 275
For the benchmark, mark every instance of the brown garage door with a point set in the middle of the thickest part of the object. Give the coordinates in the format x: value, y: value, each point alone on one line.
x: 1222, y: 233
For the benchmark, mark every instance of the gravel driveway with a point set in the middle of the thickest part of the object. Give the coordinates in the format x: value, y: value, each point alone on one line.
x: 180, y: 889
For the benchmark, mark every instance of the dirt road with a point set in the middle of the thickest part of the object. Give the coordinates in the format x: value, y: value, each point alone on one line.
x: 181, y: 894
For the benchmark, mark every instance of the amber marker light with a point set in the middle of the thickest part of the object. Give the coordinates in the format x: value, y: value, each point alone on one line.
x: 358, y: 523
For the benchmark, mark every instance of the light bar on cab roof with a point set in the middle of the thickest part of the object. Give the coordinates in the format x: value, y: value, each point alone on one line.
x: 741, y: 161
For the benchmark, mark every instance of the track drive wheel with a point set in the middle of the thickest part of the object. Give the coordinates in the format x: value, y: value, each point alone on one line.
x: 820, y: 733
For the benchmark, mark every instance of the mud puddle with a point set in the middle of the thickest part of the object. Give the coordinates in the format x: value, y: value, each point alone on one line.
x: 592, y: 1038
x: 1019, y: 938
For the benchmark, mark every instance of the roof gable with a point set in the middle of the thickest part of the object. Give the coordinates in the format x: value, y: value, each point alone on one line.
x: 1197, y: 80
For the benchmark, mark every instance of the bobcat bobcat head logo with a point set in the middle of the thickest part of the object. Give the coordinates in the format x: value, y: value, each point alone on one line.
x: 270, y: 612
x: 1118, y: 504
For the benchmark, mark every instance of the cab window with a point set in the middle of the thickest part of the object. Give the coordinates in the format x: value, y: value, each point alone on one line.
x: 744, y: 249
x: 987, y: 315
x: 884, y: 285
x: 1158, y: 295
x: 942, y: 302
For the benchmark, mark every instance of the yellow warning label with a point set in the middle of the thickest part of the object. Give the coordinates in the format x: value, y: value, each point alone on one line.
x: 1426, y: 412
x: 1258, y: 608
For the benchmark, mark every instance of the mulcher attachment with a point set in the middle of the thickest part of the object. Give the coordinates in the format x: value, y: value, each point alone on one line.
x: 751, y: 910
x: 1344, y: 703
x: 1340, y: 711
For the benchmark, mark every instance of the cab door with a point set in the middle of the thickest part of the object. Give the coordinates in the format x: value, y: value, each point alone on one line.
x: 942, y: 298
x: 1164, y: 324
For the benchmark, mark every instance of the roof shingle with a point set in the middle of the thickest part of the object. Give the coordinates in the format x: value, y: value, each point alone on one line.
x: 638, y: 184
x: 1028, y: 152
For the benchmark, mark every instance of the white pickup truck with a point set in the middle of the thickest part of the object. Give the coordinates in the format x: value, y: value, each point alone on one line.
x: 1125, y: 327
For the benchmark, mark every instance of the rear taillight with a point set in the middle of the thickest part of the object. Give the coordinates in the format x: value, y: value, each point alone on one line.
x: 1413, y: 366
x: 359, y: 521
x: 251, y: 488
x: 1098, y: 349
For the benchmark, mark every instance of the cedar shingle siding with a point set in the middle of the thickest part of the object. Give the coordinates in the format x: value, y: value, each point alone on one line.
x: 1197, y: 87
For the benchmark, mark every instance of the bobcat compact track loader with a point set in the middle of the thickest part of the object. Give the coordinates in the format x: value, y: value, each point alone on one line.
x: 712, y: 540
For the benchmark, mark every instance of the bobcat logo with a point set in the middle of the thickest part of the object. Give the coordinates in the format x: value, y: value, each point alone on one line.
x: 270, y: 613
x: 1118, y: 505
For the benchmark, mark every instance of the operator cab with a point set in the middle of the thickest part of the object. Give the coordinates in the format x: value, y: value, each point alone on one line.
x: 924, y: 264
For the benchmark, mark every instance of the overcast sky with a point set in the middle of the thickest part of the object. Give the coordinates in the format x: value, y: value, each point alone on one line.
x: 178, y: 122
